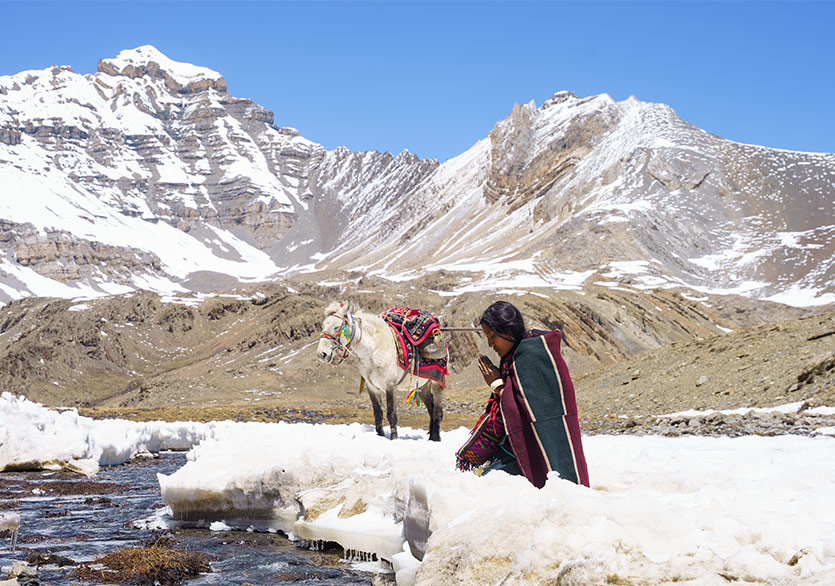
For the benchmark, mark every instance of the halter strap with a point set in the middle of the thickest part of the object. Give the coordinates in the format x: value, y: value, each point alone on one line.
x: 348, y: 331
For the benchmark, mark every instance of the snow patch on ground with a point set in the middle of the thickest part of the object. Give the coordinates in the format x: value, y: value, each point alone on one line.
x: 693, y: 510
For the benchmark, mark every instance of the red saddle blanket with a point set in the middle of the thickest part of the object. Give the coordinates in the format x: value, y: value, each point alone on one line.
x: 413, y: 327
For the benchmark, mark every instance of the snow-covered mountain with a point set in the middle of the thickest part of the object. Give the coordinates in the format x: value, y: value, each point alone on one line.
x: 149, y: 175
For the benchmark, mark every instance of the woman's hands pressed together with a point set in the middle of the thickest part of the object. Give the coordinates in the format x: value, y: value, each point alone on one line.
x: 490, y: 373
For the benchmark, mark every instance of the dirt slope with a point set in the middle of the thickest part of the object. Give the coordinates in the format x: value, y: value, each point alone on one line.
x: 249, y: 353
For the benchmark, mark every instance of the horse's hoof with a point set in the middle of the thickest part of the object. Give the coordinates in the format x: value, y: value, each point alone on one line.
x: 434, y: 438
x: 393, y: 435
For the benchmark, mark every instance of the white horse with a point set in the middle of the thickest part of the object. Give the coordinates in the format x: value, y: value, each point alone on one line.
x: 347, y: 331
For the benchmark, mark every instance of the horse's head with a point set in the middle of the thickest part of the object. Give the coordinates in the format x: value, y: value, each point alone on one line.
x: 338, y: 330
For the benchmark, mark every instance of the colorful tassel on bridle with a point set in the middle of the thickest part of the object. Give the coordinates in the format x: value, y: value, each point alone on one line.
x: 346, y: 332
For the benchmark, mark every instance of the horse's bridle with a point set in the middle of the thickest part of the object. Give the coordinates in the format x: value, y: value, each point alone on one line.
x: 348, y: 331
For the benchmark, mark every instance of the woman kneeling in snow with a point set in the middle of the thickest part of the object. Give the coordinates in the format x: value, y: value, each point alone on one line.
x: 533, y: 391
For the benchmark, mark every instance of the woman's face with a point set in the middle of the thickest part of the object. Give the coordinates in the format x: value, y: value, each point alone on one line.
x: 502, y: 346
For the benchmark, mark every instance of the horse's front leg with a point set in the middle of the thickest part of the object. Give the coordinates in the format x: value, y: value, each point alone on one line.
x: 375, y: 396
x: 391, y: 412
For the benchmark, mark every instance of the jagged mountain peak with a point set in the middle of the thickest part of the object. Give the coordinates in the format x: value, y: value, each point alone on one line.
x: 566, y: 98
x: 148, y: 60
x: 590, y: 190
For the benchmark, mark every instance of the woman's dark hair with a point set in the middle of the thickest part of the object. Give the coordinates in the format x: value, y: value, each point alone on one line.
x: 503, y: 318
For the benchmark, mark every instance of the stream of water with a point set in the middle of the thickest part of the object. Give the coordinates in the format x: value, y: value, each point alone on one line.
x: 84, y: 518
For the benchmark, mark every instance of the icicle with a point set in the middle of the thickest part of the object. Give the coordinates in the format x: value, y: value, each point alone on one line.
x: 10, y: 522
x: 359, y: 556
x: 311, y: 544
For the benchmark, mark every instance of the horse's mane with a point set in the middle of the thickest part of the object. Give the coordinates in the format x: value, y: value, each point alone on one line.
x: 341, y: 307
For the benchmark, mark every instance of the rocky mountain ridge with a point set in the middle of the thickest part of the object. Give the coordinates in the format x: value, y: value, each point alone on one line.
x: 251, y: 352
x: 149, y: 175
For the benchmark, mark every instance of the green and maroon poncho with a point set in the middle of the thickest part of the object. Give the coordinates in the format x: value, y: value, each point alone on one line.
x: 540, y: 411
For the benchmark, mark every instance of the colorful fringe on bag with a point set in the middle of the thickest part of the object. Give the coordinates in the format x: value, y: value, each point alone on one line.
x: 483, y: 443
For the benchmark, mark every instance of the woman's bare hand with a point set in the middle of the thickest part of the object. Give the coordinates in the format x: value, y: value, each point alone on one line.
x: 488, y: 369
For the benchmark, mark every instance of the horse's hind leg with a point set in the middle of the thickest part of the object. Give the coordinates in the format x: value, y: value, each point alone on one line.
x: 437, y: 412
x: 431, y: 393
x: 375, y: 396
x: 425, y: 394
x: 391, y: 412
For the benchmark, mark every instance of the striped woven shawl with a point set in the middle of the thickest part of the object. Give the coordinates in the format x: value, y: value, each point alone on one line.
x: 540, y: 411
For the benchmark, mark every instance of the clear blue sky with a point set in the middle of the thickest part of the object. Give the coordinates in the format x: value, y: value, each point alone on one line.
x: 435, y: 77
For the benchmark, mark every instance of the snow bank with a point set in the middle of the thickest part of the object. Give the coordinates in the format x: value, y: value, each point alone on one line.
x: 339, y: 483
x: 34, y: 437
x: 660, y: 510
x: 689, y: 510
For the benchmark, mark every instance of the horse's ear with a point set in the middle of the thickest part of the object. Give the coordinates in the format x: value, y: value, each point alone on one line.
x: 333, y: 307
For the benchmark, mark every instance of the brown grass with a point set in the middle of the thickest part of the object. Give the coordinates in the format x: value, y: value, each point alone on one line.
x: 145, y: 565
